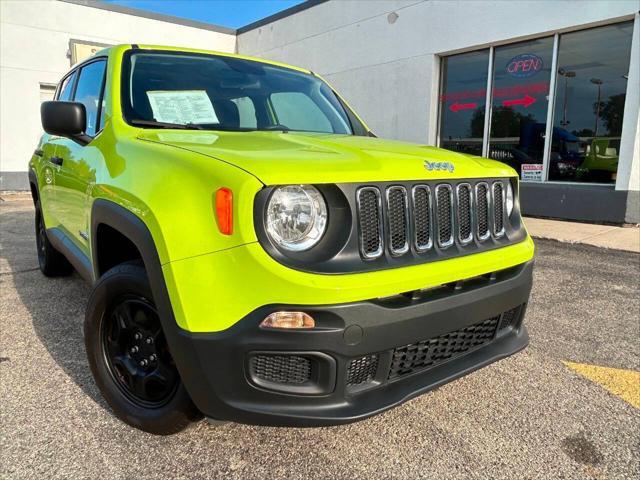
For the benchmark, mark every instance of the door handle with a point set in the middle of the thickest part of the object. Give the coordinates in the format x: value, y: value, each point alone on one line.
x: 56, y: 160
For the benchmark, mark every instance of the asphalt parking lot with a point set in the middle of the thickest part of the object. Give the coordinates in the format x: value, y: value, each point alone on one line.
x: 529, y: 416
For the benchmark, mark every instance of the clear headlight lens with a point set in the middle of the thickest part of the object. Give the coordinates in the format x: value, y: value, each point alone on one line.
x: 296, y: 217
x: 510, y: 199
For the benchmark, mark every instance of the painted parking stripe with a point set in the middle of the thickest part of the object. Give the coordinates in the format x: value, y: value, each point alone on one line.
x: 622, y: 383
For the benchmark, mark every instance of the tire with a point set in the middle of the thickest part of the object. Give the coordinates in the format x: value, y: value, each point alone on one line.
x: 52, y: 263
x: 136, y: 375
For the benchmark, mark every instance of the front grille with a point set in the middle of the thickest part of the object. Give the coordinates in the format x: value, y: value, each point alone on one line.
x: 398, y: 221
x: 498, y: 208
x: 422, y: 217
x: 362, y: 370
x: 465, y: 229
x: 288, y: 369
x: 429, y: 353
x: 370, y: 222
x: 442, y: 214
x: 482, y: 211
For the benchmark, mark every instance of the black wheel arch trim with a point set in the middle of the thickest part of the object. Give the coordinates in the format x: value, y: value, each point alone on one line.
x: 134, y: 228
x: 35, y: 189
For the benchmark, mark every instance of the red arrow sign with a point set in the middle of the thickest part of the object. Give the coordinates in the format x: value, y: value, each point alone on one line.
x: 525, y: 101
x: 456, y: 107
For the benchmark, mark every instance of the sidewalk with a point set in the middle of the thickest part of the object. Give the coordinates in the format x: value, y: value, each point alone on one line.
x: 605, y: 236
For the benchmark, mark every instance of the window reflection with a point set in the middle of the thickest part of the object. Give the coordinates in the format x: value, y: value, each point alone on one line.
x: 462, y: 101
x: 590, y: 96
x: 519, y: 103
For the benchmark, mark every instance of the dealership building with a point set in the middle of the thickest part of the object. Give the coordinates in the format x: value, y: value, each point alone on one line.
x: 551, y: 88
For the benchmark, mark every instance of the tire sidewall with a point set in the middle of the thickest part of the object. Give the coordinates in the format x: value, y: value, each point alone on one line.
x: 173, y: 416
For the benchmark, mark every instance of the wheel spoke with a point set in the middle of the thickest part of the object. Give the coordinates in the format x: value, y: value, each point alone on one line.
x: 116, y: 331
x: 124, y: 316
x: 158, y: 382
x: 126, y: 364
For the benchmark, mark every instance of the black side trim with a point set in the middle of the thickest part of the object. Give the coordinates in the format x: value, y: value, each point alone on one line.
x: 72, y: 252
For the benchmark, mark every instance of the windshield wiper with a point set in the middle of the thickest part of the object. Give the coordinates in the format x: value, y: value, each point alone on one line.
x: 275, y: 128
x: 153, y: 123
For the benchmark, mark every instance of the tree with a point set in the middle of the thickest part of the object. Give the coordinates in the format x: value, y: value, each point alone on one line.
x: 611, y: 113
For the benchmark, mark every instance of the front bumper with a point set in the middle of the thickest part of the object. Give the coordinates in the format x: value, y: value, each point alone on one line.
x: 325, y: 376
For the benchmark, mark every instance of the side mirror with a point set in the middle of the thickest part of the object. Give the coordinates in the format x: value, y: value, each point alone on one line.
x: 65, y: 119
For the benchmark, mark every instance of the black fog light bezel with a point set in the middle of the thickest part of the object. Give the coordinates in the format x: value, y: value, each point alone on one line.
x: 322, y: 379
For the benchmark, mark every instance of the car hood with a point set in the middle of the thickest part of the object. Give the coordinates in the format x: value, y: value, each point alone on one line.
x: 277, y: 158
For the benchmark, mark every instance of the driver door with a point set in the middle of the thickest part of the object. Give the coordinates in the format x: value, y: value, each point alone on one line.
x: 77, y: 164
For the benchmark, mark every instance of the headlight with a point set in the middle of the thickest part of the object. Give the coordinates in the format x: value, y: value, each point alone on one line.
x: 510, y: 199
x: 296, y: 217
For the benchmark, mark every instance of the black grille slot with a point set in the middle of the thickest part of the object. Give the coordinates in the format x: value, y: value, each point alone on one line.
x: 498, y: 209
x: 362, y: 370
x: 288, y: 369
x: 482, y: 210
x: 465, y: 229
x: 422, y: 217
x: 369, y: 212
x: 510, y: 318
x: 432, y: 352
x: 397, y: 204
x: 444, y: 217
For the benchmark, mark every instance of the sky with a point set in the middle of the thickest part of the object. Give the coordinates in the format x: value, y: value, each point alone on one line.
x: 226, y: 13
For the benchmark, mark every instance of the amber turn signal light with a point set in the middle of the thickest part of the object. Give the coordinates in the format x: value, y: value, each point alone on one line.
x: 224, y: 210
x: 288, y: 320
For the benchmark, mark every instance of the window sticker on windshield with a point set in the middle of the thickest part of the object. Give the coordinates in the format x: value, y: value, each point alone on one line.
x: 182, y: 106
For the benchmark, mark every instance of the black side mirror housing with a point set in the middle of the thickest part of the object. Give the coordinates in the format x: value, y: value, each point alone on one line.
x: 65, y: 119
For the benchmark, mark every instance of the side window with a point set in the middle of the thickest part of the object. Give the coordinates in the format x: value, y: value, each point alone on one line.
x: 88, y: 93
x: 246, y: 111
x: 297, y: 109
x: 66, y: 88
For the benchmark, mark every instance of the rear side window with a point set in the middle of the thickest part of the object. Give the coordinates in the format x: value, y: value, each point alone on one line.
x: 66, y: 88
x: 89, y: 93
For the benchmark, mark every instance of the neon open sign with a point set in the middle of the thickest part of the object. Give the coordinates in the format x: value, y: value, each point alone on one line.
x: 524, y: 65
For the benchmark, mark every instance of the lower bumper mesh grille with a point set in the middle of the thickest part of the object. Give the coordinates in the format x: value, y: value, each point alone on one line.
x: 362, y: 370
x: 289, y: 369
x: 429, y: 353
x: 510, y: 318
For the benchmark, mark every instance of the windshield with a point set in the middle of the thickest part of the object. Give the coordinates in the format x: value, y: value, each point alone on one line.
x: 179, y: 90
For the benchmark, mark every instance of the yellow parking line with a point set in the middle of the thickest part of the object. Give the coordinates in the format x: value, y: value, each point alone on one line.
x: 622, y: 383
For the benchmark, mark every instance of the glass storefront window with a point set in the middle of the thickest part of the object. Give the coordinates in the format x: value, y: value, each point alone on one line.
x: 591, y: 90
x: 520, y: 99
x: 462, y: 101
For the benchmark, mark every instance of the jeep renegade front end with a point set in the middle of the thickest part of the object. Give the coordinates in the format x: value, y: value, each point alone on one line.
x: 256, y: 254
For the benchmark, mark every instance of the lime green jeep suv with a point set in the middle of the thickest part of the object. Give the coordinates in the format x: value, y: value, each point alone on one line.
x: 256, y: 254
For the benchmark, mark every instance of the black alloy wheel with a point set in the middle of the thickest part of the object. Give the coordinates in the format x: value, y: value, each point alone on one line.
x: 136, y: 352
